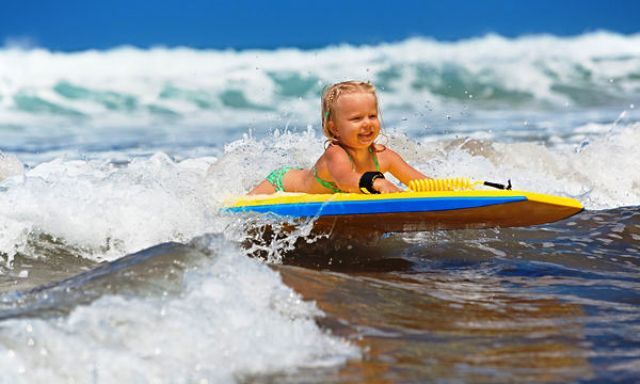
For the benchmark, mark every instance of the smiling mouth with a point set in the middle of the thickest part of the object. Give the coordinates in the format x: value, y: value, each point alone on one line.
x: 365, y: 136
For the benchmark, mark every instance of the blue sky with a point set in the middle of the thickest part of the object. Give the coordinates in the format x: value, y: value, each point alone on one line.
x: 70, y: 25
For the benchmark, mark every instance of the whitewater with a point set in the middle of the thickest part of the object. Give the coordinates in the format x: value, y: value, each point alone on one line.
x: 116, y: 263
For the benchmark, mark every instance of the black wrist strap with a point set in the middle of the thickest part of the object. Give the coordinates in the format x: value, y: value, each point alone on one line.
x: 366, y: 182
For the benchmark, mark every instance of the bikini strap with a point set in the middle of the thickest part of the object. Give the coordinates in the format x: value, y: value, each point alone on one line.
x: 333, y: 187
x: 375, y: 158
x: 353, y: 163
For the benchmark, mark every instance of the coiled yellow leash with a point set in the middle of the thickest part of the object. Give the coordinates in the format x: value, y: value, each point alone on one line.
x: 451, y: 184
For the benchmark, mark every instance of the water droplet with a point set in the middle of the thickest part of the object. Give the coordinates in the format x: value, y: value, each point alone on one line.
x: 583, y: 144
x: 632, y: 106
x: 471, y: 96
x: 525, y: 122
x: 611, y: 80
x: 31, y: 342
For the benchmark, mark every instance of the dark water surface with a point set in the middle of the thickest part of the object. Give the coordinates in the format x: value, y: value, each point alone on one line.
x: 552, y: 303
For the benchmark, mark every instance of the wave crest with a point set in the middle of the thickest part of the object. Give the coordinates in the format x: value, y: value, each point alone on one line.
x: 140, y: 86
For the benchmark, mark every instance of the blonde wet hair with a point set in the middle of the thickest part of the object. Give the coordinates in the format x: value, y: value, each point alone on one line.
x: 330, y: 97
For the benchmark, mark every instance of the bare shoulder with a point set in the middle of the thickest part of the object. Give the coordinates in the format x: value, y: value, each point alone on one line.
x: 386, y: 154
x: 390, y: 160
x: 335, y: 153
x: 332, y: 157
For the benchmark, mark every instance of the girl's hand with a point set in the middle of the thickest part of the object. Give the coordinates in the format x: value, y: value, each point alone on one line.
x: 385, y: 186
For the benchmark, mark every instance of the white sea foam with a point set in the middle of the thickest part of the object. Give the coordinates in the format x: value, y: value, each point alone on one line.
x: 135, y: 87
x: 105, y: 210
x: 235, y: 317
x: 600, y: 172
x: 10, y: 166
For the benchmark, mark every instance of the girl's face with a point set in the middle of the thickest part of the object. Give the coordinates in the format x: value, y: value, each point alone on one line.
x: 355, y: 120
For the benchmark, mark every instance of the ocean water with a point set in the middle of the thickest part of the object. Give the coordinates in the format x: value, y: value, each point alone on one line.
x: 116, y: 264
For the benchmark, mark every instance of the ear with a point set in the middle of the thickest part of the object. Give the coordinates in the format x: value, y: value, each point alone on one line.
x: 331, y: 127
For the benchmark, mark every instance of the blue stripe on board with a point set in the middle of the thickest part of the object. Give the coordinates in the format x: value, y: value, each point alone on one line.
x: 377, y: 206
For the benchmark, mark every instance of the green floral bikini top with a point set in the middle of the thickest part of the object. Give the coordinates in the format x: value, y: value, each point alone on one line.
x: 331, y: 185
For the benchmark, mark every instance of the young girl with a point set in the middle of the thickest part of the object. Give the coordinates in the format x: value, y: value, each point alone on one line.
x: 352, y: 162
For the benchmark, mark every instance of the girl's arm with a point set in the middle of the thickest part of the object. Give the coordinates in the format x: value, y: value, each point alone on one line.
x: 400, y: 169
x: 341, y: 170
